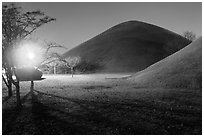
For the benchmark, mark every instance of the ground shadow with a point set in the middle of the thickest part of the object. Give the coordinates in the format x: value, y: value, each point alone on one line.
x: 47, y: 123
x: 5, y: 99
x: 10, y: 115
x: 103, y: 123
x: 97, y: 118
x: 91, y: 116
x: 149, y: 117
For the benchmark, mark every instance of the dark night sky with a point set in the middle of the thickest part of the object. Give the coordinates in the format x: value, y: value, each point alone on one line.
x: 78, y: 22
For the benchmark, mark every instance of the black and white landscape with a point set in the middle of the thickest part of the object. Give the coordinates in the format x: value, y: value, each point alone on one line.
x: 133, y: 78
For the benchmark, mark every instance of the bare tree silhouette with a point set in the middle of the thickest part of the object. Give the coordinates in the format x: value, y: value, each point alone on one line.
x: 72, y: 62
x: 17, y: 26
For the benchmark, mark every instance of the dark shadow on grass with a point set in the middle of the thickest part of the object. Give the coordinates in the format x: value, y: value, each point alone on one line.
x: 138, y: 104
x: 23, y: 99
x: 5, y: 99
x: 10, y: 115
x: 143, y: 107
x: 48, y: 124
x: 97, y: 87
x: 92, y: 115
x: 98, y: 117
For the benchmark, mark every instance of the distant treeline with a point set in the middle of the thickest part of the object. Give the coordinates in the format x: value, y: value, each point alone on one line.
x: 61, y: 68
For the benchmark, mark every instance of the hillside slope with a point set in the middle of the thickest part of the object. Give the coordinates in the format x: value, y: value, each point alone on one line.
x: 183, y: 69
x: 128, y: 47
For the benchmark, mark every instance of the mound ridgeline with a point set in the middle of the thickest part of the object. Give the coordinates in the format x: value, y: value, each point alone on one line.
x: 128, y: 47
x: 183, y: 69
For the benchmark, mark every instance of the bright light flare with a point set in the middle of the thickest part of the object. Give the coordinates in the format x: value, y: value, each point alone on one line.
x: 31, y: 55
x: 28, y: 54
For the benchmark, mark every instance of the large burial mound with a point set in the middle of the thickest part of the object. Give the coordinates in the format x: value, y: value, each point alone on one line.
x: 128, y: 47
x: 183, y: 69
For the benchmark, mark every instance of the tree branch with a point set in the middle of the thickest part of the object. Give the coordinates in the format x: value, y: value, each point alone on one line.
x: 29, y: 32
x: 5, y: 81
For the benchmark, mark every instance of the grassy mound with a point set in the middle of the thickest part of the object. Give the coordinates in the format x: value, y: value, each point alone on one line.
x: 128, y: 47
x: 180, y: 70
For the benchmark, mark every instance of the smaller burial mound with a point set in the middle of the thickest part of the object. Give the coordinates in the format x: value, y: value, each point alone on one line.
x: 182, y: 69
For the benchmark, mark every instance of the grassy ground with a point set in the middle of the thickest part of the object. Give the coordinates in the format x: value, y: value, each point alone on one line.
x: 101, y: 104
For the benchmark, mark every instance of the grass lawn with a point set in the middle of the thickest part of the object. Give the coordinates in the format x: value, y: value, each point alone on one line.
x: 101, y: 104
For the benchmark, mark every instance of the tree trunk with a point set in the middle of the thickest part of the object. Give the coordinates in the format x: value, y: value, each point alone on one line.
x: 18, y: 98
x: 31, y: 90
x: 9, y: 78
x: 72, y: 72
x: 9, y: 70
x: 54, y: 69
x: 10, y: 88
x: 32, y: 86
